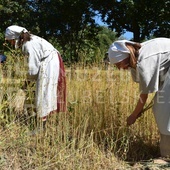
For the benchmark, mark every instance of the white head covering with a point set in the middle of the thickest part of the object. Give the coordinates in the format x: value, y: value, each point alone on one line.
x: 13, y: 32
x: 118, y: 51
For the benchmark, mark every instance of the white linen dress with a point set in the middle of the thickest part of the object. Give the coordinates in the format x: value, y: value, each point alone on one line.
x: 153, y: 75
x: 43, y: 61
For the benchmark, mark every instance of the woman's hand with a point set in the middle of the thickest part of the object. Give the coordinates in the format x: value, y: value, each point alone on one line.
x: 131, y: 119
x: 138, y: 110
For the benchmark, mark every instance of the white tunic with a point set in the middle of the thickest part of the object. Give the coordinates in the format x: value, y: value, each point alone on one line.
x: 153, y: 75
x: 43, y: 61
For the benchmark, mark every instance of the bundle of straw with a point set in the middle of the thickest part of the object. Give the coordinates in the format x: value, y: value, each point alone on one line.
x: 18, y: 101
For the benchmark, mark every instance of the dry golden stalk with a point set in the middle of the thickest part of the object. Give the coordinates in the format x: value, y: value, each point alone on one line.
x: 18, y: 101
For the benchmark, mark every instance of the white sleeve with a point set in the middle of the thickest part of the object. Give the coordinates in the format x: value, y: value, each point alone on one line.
x: 149, y: 74
x: 33, y: 58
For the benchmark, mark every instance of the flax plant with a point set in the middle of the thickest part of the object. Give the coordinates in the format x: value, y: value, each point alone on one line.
x: 91, y: 135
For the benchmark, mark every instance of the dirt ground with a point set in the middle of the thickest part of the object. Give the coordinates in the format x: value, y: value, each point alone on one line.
x: 155, y: 164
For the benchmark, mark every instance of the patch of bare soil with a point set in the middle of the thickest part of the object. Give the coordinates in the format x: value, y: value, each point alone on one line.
x: 154, y: 164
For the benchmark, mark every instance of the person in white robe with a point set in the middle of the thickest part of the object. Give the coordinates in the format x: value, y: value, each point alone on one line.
x: 149, y: 63
x: 45, y: 63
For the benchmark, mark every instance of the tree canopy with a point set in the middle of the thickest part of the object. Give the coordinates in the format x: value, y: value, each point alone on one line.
x: 144, y: 18
x: 71, y: 25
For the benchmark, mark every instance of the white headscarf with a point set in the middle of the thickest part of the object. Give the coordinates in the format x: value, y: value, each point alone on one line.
x: 118, y: 51
x: 13, y: 32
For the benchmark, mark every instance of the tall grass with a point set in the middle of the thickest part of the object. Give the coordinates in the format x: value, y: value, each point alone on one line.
x: 91, y: 135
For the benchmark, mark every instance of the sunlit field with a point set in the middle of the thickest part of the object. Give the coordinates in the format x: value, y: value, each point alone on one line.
x: 91, y: 135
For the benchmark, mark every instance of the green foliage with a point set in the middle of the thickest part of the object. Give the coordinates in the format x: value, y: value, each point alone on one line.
x: 93, y: 51
x: 142, y: 17
x: 70, y: 24
x: 106, y: 38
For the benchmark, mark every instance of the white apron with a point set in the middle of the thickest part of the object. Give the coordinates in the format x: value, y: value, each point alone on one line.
x: 43, y: 61
x: 46, y: 86
x: 161, y: 107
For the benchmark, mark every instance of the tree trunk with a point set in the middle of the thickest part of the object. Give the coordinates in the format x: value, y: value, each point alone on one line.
x: 136, y: 32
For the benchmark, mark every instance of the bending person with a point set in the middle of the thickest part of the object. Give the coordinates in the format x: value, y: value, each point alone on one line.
x: 149, y: 63
x: 44, y: 62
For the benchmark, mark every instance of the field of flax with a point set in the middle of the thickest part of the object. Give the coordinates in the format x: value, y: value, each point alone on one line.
x: 91, y: 135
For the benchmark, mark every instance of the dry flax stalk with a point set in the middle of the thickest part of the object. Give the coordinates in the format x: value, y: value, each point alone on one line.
x: 18, y: 101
